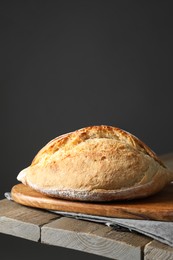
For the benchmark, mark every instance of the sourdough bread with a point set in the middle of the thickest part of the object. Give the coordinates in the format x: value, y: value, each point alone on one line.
x: 96, y: 163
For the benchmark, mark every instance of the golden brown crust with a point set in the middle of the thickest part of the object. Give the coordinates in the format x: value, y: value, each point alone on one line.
x: 101, y: 131
x: 96, y: 163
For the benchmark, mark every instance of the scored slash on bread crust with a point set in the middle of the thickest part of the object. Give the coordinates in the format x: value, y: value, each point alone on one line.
x: 96, y: 163
x: 102, y: 131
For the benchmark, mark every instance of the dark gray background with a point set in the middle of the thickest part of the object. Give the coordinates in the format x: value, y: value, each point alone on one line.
x: 70, y: 64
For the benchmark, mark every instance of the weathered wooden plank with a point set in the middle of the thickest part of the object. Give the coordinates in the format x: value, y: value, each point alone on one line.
x: 22, y: 221
x: 7, y: 206
x: 157, y: 251
x: 93, y: 238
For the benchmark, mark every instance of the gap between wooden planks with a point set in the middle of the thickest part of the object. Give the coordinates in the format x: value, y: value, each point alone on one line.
x: 41, y: 226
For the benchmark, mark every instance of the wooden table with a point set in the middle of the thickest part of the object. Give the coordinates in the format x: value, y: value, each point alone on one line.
x: 49, y: 228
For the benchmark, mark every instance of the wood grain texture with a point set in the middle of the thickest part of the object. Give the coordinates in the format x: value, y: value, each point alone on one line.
x: 38, y: 225
x: 21, y: 221
x: 93, y: 238
x: 157, y: 251
x: 157, y: 207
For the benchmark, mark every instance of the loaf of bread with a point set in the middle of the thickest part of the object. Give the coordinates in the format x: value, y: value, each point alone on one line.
x: 96, y: 163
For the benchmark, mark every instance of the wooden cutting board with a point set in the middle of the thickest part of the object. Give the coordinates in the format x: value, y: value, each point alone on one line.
x: 156, y: 207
